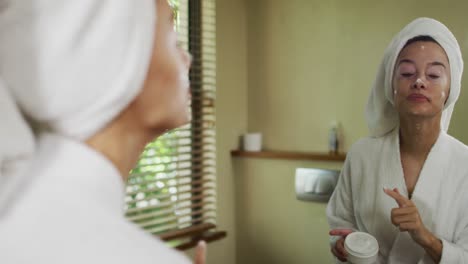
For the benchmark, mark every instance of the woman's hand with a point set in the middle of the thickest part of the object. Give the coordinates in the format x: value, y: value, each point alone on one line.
x: 200, y: 253
x: 338, y: 249
x: 406, y: 218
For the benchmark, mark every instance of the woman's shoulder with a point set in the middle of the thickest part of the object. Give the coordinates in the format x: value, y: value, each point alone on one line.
x: 366, y: 146
x: 456, y: 145
x: 456, y: 153
x: 86, y: 231
x: 367, y: 142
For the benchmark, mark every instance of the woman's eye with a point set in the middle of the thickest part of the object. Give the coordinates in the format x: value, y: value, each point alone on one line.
x: 433, y: 76
x: 407, y: 74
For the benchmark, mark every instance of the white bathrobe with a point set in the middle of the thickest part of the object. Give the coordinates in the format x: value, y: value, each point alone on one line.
x: 440, y: 195
x: 71, y: 211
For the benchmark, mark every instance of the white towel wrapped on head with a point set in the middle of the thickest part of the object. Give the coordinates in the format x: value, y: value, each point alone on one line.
x: 381, y: 115
x: 68, y: 65
x: 72, y: 66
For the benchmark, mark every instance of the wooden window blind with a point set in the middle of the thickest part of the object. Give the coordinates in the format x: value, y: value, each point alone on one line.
x: 171, y: 192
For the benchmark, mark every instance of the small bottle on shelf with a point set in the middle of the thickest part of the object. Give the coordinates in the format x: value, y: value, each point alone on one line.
x: 333, y: 142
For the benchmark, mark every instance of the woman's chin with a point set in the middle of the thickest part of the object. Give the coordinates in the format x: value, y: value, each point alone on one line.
x: 179, y: 121
x: 420, y: 113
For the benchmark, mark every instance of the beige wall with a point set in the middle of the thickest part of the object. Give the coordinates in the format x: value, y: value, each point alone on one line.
x: 274, y: 227
x: 311, y: 62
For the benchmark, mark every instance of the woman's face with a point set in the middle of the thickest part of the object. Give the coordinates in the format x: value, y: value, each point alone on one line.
x: 164, y: 100
x: 421, y: 80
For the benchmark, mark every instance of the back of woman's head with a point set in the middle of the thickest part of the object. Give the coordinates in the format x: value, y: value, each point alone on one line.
x: 74, y: 65
x: 71, y: 66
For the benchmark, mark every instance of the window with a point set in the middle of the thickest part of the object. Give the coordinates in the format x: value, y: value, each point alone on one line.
x: 171, y: 192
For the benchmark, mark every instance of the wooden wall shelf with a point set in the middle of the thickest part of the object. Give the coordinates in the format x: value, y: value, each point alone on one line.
x: 289, y: 155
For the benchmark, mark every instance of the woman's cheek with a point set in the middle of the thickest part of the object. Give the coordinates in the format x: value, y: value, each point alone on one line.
x: 443, y: 95
x: 444, y: 85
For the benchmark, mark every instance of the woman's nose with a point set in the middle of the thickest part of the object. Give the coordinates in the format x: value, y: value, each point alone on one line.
x: 419, y: 84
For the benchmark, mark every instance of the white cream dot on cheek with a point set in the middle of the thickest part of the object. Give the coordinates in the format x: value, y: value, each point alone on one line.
x: 443, y: 94
x: 422, y: 47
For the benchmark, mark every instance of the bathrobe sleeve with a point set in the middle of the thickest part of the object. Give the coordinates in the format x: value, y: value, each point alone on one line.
x: 453, y: 228
x: 340, y: 211
x: 456, y: 252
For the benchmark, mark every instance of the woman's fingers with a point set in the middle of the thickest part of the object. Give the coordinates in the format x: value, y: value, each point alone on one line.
x: 406, y: 217
x: 398, y: 219
x: 200, y: 253
x: 406, y: 214
x: 401, y: 200
x: 340, y: 232
x: 408, y: 226
x: 340, y: 247
x: 339, y: 251
x: 337, y: 255
x: 404, y: 211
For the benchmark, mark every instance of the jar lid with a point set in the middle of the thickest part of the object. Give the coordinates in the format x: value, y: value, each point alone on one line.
x: 361, y: 244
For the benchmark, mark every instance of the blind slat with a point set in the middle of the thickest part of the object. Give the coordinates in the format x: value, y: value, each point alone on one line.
x: 180, y: 224
x: 173, y: 157
x: 178, y: 185
x: 163, y: 196
x: 185, y: 177
x: 150, y: 216
x: 161, y: 217
x: 172, y: 161
x: 168, y: 196
x: 166, y: 175
x: 196, y: 229
x: 207, y: 237
x: 172, y: 203
x: 194, y: 168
